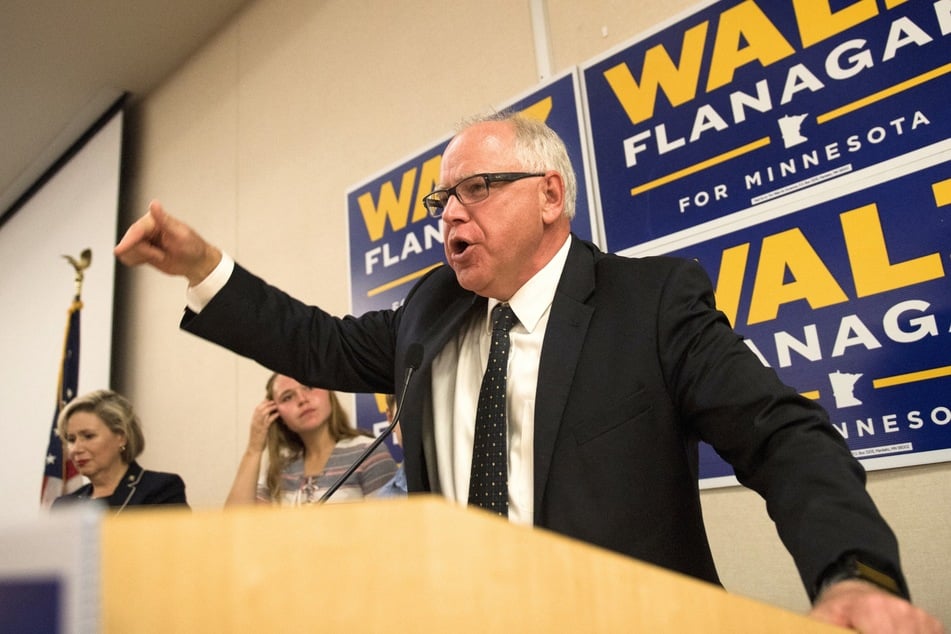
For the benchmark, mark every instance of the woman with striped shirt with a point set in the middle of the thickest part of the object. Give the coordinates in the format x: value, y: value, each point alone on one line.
x: 310, y: 444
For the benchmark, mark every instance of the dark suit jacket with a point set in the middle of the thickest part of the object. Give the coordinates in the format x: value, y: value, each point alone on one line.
x: 637, y: 365
x: 137, y: 486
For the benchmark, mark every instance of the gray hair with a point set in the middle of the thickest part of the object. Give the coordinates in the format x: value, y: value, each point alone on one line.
x: 538, y: 148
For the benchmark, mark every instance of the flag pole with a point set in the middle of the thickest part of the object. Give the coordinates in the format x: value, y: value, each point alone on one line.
x: 66, y: 387
x: 79, y: 266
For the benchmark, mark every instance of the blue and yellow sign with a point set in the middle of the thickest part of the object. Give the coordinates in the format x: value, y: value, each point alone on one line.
x: 747, y: 101
x: 798, y: 149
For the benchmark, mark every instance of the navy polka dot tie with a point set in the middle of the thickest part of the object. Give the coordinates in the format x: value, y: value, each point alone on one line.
x: 488, y: 480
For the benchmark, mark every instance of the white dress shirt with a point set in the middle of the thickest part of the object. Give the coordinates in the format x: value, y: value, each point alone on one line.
x: 457, y: 378
x: 198, y: 296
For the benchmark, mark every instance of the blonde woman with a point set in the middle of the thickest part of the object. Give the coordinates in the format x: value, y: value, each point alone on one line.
x: 103, y: 438
x: 310, y: 444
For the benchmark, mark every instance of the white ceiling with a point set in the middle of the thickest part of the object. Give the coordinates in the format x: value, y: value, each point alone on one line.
x: 63, y: 63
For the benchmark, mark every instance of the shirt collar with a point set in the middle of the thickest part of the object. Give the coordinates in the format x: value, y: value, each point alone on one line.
x: 532, y: 300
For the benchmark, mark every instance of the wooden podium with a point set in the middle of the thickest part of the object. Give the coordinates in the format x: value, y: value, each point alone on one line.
x: 407, y: 565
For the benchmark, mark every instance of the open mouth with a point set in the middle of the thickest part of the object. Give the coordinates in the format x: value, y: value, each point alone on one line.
x: 458, y: 247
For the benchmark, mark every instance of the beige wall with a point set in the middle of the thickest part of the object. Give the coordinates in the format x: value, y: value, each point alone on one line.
x: 257, y: 138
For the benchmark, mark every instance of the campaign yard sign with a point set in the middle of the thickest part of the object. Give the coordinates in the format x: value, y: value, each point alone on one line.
x: 798, y: 149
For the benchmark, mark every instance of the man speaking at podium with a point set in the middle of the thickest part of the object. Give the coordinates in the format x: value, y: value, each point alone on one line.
x: 564, y: 387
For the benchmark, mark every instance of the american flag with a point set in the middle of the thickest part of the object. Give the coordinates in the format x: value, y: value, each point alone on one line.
x: 60, y: 476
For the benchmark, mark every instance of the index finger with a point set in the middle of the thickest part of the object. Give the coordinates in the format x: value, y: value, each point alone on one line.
x: 135, y: 246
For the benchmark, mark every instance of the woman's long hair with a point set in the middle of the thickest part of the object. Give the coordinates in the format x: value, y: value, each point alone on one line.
x: 285, y: 446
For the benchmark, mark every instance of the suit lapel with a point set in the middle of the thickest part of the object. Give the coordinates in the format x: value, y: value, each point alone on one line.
x: 449, y: 323
x: 126, y: 489
x: 564, y: 340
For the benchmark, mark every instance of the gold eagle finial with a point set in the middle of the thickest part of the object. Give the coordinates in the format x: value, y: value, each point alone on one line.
x: 80, y: 265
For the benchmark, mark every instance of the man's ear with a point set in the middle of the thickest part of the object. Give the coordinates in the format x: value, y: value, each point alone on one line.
x: 552, y: 194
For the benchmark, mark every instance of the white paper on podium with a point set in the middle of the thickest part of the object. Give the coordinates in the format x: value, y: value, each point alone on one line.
x: 49, y: 571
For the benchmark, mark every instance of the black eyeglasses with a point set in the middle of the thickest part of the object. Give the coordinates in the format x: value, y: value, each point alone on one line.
x: 471, y: 189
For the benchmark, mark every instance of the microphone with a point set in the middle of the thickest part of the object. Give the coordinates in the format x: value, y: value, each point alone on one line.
x: 414, y: 359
